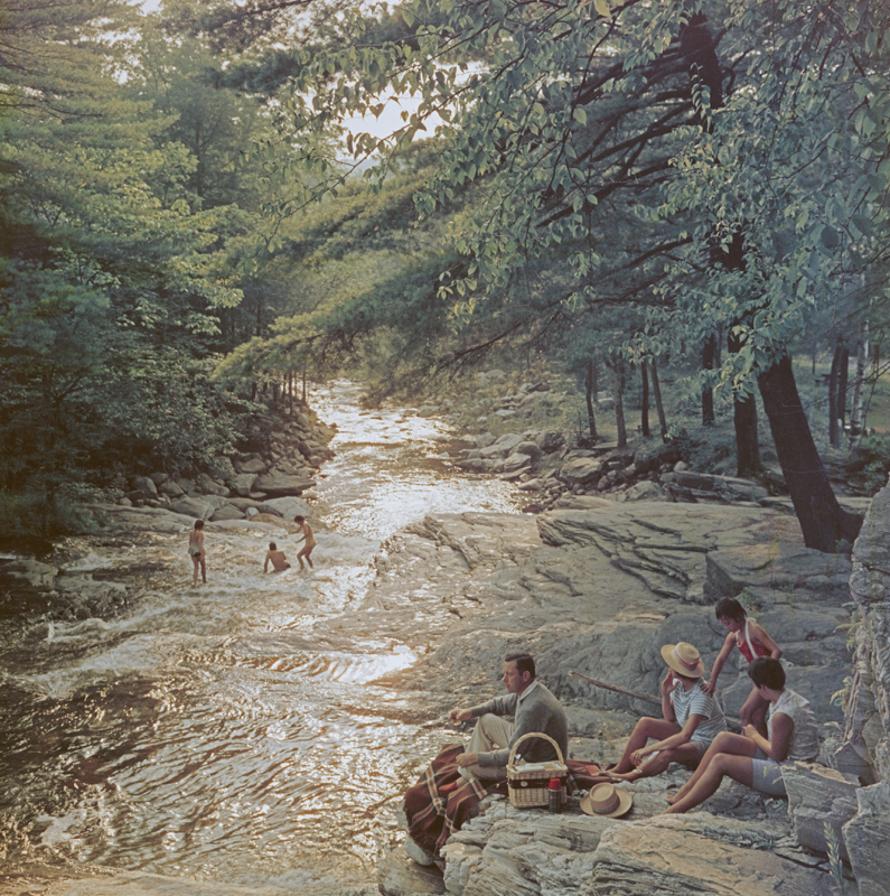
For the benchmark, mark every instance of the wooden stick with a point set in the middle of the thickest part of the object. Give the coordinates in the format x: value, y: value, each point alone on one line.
x: 731, y: 722
x: 618, y: 690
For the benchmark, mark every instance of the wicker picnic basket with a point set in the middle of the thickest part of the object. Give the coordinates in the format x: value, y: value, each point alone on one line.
x: 527, y: 781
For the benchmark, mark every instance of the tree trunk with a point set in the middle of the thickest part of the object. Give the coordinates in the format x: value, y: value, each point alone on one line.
x: 590, y: 390
x: 304, y: 385
x: 659, y: 404
x: 834, y: 437
x: 709, y: 353
x: 843, y: 375
x: 857, y: 423
x: 747, y: 440
x: 644, y: 401
x: 823, y: 523
x: 619, y: 404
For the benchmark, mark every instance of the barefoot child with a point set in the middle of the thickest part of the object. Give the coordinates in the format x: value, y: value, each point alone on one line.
x: 308, y: 539
x: 753, y: 642
x: 196, y: 552
x: 276, y: 558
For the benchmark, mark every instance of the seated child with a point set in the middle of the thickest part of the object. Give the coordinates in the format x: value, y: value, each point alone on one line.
x: 276, y: 558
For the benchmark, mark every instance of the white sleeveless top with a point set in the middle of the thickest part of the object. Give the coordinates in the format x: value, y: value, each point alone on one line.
x: 805, y: 736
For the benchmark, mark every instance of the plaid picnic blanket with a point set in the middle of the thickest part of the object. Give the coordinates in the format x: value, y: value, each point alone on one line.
x: 442, y: 800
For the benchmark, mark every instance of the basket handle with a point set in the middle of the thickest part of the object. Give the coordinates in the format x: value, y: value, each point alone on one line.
x: 539, y: 734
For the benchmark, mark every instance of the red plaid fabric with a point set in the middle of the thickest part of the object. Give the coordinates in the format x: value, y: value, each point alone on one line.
x: 442, y: 800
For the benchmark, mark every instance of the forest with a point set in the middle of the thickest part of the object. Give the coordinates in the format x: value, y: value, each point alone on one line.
x: 193, y: 222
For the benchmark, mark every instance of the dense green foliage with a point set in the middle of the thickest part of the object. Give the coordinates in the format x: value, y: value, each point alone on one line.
x: 132, y: 226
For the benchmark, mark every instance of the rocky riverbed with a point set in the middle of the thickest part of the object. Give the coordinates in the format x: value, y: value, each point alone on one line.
x: 592, y: 585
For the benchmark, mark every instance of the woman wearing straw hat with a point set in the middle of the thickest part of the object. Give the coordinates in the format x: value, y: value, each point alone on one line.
x: 692, y: 718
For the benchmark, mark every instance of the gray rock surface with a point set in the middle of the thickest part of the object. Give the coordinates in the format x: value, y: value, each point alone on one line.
x: 277, y: 484
x: 819, y: 798
x: 866, y: 837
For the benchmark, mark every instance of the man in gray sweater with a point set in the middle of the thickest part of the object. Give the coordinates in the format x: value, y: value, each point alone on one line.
x: 533, y: 707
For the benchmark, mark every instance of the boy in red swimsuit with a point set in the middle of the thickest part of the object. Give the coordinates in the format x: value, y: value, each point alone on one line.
x: 753, y: 641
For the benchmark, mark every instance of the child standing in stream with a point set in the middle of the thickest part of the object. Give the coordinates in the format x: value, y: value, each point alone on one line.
x: 196, y: 552
x: 308, y: 539
x: 753, y: 641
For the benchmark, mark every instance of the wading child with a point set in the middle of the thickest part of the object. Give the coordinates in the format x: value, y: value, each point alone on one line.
x: 276, y: 558
x: 196, y: 552
x: 752, y: 641
x: 308, y: 539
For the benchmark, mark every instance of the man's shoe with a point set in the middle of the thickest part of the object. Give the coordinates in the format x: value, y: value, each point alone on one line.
x: 418, y: 853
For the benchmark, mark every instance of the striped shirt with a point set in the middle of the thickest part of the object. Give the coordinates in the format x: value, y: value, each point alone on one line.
x: 695, y: 702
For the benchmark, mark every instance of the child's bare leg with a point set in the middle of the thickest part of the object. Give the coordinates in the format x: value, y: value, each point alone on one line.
x: 195, y: 564
x: 647, y: 727
x: 686, y: 753
x: 725, y: 742
x: 203, y: 570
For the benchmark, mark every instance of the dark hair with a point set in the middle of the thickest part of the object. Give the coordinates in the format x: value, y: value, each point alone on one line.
x: 273, y: 546
x: 731, y: 608
x: 199, y: 524
x: 299, y: 519
x: 767, y: 671
x: 525, y: 662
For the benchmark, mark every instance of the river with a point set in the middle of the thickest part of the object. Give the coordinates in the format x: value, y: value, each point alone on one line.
x: 234, y: 731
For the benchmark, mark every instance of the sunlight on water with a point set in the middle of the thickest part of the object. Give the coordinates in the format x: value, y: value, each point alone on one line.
x: 233, y: 731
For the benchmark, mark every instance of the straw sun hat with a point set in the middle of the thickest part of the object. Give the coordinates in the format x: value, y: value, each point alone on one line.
x: 607, y: 800
x: 684, y: 659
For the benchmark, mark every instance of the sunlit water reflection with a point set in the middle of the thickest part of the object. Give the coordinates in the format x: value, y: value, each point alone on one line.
x: 232, y: 731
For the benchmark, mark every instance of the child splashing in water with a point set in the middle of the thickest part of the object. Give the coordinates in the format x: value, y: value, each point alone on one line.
x: 308, y: 540
x: 753, y: 641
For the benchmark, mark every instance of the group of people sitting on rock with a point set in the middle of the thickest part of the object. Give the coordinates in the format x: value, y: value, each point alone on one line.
x: 777, y: 726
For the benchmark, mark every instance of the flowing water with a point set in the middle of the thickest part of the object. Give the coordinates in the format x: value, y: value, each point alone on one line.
x: 233, y: 731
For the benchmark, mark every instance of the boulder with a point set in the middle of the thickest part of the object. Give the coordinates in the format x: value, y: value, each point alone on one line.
x: 580, y: 470
x: 251, y: 464
x: 652, y: 454
x: 210, y: 486
x: 515, y: 463
x: 686, y: 485
x: 276, y: 484
x: 242, y: 484
x: 159, y: 478
x: 866, y: 836
x: 145, y: 487
x: 227, y: 512
x: 199, y: 508
x: 502, y: 447
x: 529, y: 448
x: 171, y: 489
x: 285, y: 507
x: 821, y: 801
x: 549, y: 441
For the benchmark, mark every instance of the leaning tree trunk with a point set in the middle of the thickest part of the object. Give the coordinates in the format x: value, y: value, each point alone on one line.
x: 644, y: 401
x: 708, y: 357
x: 822, y: 520
x: 590, y: 391
x: 659, y: 404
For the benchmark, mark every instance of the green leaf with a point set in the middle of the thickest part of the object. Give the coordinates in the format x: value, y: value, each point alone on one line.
x: 602, y: 7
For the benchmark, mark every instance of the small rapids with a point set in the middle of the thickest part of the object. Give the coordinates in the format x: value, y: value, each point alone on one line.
x: 234, y: 731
